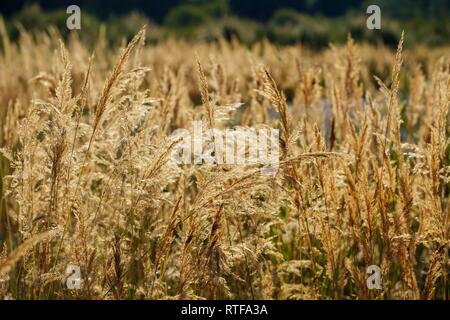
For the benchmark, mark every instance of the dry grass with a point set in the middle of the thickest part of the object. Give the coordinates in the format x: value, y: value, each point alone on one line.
x: 363, y: 177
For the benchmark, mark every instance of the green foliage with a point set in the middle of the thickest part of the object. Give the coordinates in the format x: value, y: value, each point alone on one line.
x: 121, y: 27
x: 285, y: 17
x: 186, y: 16
x: 288, y: 27
x: 204, y: 20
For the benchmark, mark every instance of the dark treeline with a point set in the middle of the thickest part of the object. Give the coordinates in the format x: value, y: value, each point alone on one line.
x: 253, y: 9
x: 313, y: 22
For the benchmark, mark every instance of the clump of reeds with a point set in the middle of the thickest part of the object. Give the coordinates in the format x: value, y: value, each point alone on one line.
x: 87, y: 178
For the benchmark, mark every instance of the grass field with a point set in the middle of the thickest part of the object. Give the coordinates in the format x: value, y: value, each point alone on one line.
x: 87, y: 179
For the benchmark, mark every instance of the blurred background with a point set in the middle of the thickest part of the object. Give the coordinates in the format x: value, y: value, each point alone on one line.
x: 315, y: 23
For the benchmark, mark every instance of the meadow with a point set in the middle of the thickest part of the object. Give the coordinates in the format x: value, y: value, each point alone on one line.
x: 87, y: 179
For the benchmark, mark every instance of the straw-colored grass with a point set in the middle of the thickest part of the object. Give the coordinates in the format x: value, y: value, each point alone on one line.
x: 363, y: 177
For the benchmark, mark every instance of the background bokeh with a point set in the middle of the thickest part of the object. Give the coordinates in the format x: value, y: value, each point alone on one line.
x: 315, y: 23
